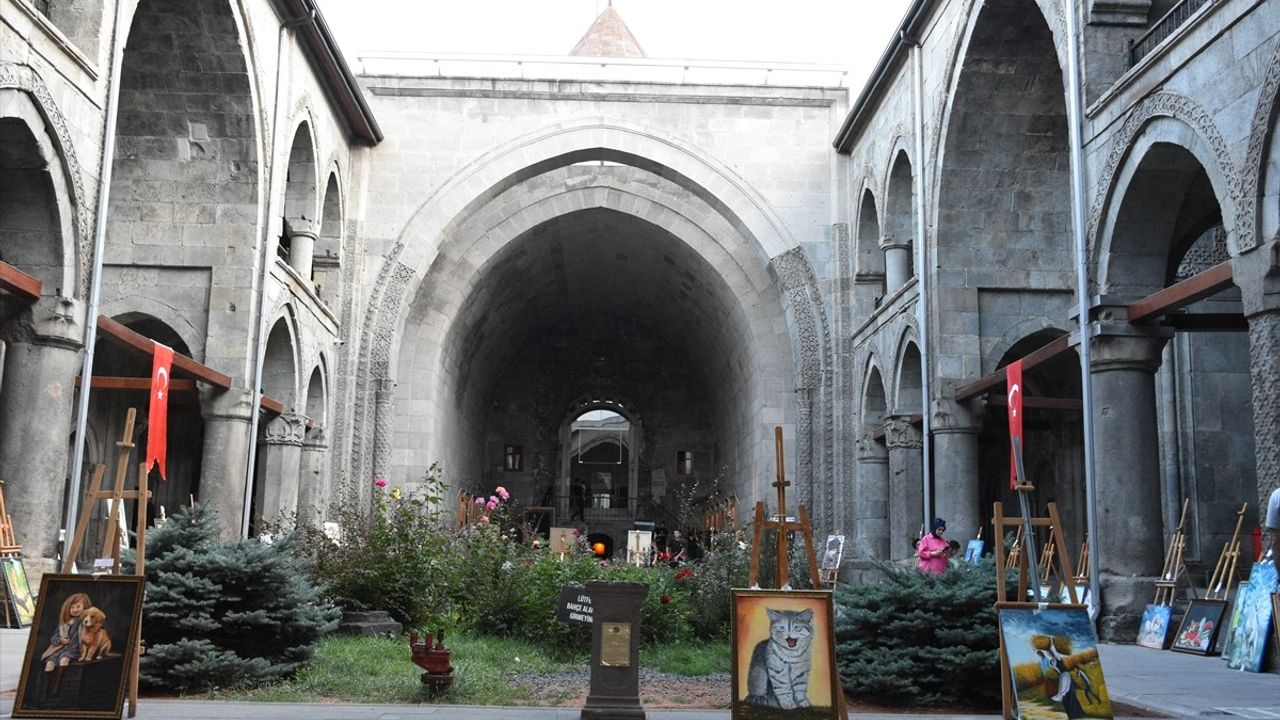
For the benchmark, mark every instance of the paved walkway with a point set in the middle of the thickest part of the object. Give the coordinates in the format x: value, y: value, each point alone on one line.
x: 1164, y: 682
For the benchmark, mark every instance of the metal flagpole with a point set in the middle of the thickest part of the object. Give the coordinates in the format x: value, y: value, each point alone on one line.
x: 1028, y: 531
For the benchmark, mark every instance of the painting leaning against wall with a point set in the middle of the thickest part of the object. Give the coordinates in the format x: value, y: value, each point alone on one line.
x: 1053, y: 663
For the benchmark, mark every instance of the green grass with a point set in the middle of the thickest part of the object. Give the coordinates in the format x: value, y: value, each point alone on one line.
x: 700, y: 658
x: 377, y: 670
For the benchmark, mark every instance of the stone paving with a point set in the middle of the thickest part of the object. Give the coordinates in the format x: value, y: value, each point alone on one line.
x: 1167, y: 683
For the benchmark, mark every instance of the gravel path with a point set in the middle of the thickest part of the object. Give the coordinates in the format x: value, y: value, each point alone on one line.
x: 657, y: 689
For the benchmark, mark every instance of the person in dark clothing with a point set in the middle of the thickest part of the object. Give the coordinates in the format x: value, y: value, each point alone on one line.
x: 579, y: 500
x: 693, y: 550
x: 676, y: 548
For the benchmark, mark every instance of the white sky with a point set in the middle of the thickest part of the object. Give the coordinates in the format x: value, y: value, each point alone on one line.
x: 851, y: 33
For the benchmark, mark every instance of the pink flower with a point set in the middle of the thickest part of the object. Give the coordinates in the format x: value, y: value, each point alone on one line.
x: 380, y: 482
x: 493, y: 499
x: 604, y: 563
x: 491, y: 505
x: 501, y: 490
x: 479, y: 501
x: 504, y: 494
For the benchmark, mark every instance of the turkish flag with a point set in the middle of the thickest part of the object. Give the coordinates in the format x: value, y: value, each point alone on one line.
x: 158, y: 412
x: 1013, y: 378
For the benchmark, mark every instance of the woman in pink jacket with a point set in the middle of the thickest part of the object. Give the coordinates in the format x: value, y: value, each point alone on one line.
x: 932, y: 549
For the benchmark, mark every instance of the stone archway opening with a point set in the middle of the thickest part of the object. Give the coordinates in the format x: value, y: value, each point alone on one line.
x: 899, y: 225
x: 279, y: 456
x: 600, y: 484
x: 869, y: 274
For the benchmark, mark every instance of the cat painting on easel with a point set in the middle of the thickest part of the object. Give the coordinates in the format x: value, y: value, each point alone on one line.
x: 783, y: 655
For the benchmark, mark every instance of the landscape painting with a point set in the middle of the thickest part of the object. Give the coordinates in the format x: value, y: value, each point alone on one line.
x: 20, y: 605
x: 1054, y: 665
x: 780, y: 634
x: 1200, y: 627
x: 1155, y: 626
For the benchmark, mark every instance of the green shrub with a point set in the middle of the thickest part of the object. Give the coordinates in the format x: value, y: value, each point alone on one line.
x: 725, y: 566
x: 222, y: 615
x: 919, y: 639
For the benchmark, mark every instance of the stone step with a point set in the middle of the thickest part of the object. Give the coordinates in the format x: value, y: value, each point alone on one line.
x: 376, y: 622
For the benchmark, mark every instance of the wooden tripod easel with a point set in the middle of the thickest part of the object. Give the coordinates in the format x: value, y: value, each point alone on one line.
x: 782, y: 524
x: 9, y: 547
x: 1224, y: 572
x: 1174, y: 565
x: 1025, y: 575
x: 111, y: 543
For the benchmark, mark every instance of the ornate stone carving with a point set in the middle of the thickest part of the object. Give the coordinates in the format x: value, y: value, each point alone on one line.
x: 286, y: 429
x: 1264, y: 348
x: 900, y: 434
x: 26, y: 79
x: 1162, y: 104
x: 1247, y: 224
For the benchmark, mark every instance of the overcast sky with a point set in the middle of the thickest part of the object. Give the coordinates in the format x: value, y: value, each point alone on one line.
x: 851, y: 33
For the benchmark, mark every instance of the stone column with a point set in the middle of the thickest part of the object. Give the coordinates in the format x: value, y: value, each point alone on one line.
x: 302, y: 249
x: 37, y: 415
x: 313, y: 488
x: 1257, y: 274
x: 906, y: 499
x: 223, y: 466
x: 281, y: 465
x: 1130, y: 539
x: 897, y: 263
x: 871, y: 539
x: 955, y: 462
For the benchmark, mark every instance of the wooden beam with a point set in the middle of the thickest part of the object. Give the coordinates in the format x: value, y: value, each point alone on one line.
x: 272, y: 406
x: 143, y: 345
x: 996, y: 379
x: 106, y: 382
x: 1181, y: 294
x: 19, y: 283
x: 1040, y: 403
x: 1208, y: 322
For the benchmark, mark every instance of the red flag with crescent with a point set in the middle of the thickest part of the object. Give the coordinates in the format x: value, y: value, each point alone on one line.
x: 158, y: 412
x: 1013, y: 377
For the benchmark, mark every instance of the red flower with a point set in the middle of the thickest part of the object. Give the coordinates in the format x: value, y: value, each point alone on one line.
x: 665, y: 599
x: 684, y: 573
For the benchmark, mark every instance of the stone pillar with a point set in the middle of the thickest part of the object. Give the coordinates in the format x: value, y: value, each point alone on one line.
x: 1257, y: 274
x: 384, y: 405
x: 955, y: 462
x: 281, y: 465
x: 871, y: 539
x: 313, y: 489
x: 897, y: 263
x: 302, y: 249
x: 37, y: 415
x: 906, y: 499
x: 223, y: 466
x: 804, y: 471
x: 1130, y: 539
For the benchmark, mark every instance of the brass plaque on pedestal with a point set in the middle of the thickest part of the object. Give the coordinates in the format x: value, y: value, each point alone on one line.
x: 615, y: 644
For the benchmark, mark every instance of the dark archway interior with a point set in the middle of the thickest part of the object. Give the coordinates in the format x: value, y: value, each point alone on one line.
x: 30, y: 236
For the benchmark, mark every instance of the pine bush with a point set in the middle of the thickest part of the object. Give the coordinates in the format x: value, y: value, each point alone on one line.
x: 919, y: 639
x: 220, y: 615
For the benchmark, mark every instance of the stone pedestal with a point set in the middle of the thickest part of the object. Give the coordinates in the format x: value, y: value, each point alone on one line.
x: 280, y: 466
x: 1130, y: 541
x: 955, y: 462
x: 36, y: 415
x: 906, y: 498
x: 226, y: 452
x: 871, y: 526
x: 615, y: 651
x: 897, y: 263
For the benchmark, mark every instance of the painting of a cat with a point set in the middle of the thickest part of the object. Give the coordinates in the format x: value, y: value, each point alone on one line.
x: 784, y: 655
x: 779, y: 674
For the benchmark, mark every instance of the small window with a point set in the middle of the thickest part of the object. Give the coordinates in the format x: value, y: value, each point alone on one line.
x: 513, y: 458
x: 684, y: 462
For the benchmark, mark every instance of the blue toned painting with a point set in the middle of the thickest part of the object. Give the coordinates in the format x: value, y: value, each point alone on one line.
x: 1250, y: 631
x: 1155, y: 626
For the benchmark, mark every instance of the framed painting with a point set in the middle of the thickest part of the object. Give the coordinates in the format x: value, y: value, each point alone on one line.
x: 1053, y: 663
x: 783, y: 655
x: 833, y: 553
x: 973, y: 551
x: 1249, y: 635
x: 1155, y: 626
x: 639, y: 543
x: 80, y: 647
x: 19, y: 605
x: 1234, y: 620
x: 1275, y: 616
x: 1200, y: 626
x: 564, y: 540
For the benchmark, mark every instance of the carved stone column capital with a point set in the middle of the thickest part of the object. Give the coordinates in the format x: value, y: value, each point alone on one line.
x: 869, y: 449
x: 315, y: 439
x: 889, y: 241
x: 1127, y: 352
x: 286, y: 429
x: 950, y: 416
x: 900, y: 434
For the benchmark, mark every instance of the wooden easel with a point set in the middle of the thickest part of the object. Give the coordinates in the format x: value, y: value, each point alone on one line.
x: 111, y: 543
x: 1174, y: 565
x: 1046, y: 560
x: 781, y: 572
x: 1015, y: 550
x: 782, y: 524
x: 9, y: 547
x: 1001, y: 523
x: 1082, y: 565
x: 1224, y: 572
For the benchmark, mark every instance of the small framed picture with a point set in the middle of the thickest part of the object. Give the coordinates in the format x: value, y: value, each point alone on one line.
x: 80, y: 647
x: 833, y: 553
x: 19, y: 605
x: 973, y: 551
x: 1155, y: 626
x: 783, y: 655
x: 1200, y: 627
x: 564, y: 540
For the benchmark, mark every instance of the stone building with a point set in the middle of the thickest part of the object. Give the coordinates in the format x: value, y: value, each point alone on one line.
x: 620, y: 274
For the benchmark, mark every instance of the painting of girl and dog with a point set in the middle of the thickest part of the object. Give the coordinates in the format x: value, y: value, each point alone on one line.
x: 80, y: 647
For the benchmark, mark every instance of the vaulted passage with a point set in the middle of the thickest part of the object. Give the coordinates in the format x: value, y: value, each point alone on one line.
x: 601, y: 287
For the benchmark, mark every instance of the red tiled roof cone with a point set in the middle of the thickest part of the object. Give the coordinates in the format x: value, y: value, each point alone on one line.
x: 608, y: 36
